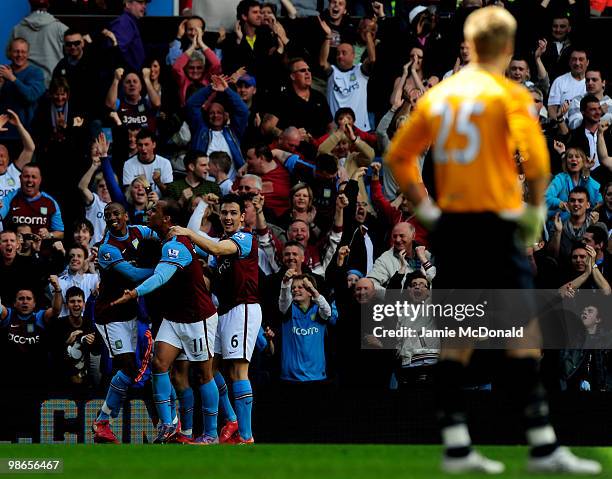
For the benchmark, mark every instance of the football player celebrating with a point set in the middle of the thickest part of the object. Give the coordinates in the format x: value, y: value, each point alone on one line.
x: 236, y: 287
x: 189, y: 324
x: 118, y: 326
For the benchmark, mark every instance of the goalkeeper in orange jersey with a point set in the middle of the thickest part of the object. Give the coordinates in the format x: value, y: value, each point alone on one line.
x: 475, y: 121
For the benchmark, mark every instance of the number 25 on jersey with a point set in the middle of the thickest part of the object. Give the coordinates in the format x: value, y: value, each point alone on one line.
x: 457, y: 122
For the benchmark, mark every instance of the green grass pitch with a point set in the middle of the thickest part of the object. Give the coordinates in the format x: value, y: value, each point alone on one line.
x: 267, y: 461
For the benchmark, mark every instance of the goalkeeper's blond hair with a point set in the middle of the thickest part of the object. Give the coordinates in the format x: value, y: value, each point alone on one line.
x: 489, y: 31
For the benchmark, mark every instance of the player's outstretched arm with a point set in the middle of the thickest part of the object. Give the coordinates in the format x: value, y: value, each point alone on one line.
x: 128, y: 295
x: 163, y: 273
x: 132, y: 272
x: 221, y: 248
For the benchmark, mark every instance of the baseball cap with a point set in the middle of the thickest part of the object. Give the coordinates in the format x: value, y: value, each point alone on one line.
x: 415, y: 12
x: 248, y: 79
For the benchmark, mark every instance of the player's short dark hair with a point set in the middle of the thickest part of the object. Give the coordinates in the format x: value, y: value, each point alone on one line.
x: 172, y: 209
x: 261, y: 149
x: 191, y: 157
x: 586, y: 99
x: 116, y: 203
x: 244, y: 6
x: 81, y: 247
x: 221, y: 160
x: 83, y: 223
x: 233, y: 198
x: 599, y: 235
x: 74, y: 291
x: 294, y: 243
x: 327, y: 163
x: 133, y: 127
x: 608, y: 185
x: 145, y: 133
x: 345, y: 110
x: 580, y: 189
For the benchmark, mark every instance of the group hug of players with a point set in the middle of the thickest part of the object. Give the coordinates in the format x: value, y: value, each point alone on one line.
x: 192, y: 331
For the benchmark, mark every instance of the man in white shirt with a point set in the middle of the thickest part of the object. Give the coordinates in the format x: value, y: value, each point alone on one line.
x: 75, y: 275
x: 156, y: 169
x: 595, y: 85
x: 347, y: 83
x: 568, y: 86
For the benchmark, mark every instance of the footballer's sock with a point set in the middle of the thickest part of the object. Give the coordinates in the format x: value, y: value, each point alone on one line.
x: 224, y: 402
x: 185, y: 398
x: 115, y: 396
x: 210, y: 407
x: 243, y: 400
x: 451, y: 408
x: 162, y: 388
x: 525, y: 380
x: 173, y: 413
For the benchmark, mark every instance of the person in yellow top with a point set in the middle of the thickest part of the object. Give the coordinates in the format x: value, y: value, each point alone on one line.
x: 475, y: 121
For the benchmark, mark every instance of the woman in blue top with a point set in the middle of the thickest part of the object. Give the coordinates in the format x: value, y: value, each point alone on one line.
x: 576, y: 172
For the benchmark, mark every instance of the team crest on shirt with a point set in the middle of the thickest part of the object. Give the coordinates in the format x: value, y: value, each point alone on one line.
x: 173, y: 253
x: 118, y: 344
x: 313, y: 317
x: 135, y: 242
x: 43, y: 210
x: 141, y: 108
x: 11, y: 182
x: 30, y: 328
x: 353, y: 77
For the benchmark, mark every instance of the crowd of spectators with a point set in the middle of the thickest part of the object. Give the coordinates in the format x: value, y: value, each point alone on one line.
x: 293, y: 111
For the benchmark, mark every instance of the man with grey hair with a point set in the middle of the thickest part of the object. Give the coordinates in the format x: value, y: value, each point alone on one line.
x: 249, y: 184
x: 21, y: 86
x: 404, y: 257
x: 45, y: 34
